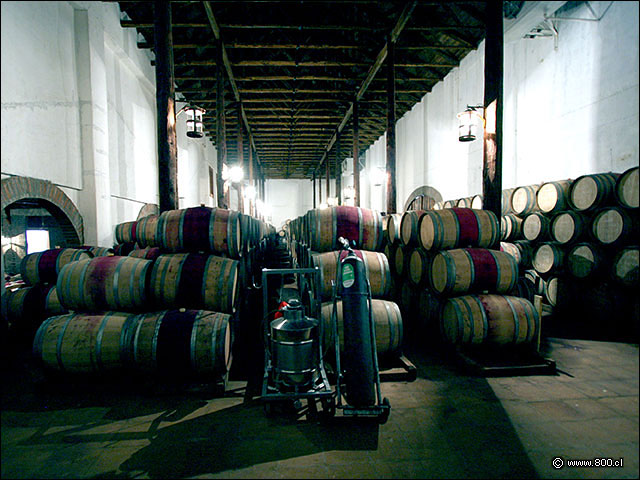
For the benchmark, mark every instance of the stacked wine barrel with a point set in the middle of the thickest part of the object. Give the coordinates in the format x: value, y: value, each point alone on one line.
x: 453, y: 283
x: 166, y: 308
x: 313, y: 241
x: 577, y: 241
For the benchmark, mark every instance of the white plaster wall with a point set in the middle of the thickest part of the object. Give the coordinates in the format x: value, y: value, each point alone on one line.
x: 288, y: 199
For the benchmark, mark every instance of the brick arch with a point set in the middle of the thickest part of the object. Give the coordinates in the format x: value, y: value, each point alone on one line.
x: 54, y: 200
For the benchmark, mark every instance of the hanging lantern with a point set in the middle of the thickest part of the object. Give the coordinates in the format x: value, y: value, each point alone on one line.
x: 194, y: 122
x: 468, y: 124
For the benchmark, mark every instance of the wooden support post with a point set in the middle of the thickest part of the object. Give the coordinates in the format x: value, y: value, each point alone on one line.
x: 356, y: 155
x: 391, y: 128
x: 165, y: 105
x: 313, y: 183
x: 338, y: 171
x: 327, y: 162
x: 221, y: 136
x: 493, y: 102
x: 240, y: 148
x: 251, y: 200
x: 320, y: 188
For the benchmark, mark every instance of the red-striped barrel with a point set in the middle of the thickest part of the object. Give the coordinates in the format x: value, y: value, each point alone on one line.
x: 44, y: 267
x: 201, y: 229
x: 471, y: 270
x: 148, y: 253
x: 360, y: 225
x: 458, y: 227
x: 193, y: 280
x: 489, y: 319
x: 182, y: 343
x: 147, y: 231
x: 126, y: 232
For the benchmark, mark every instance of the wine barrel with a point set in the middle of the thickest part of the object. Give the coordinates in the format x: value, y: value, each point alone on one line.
x: 589, y: 192
x: 182, y: 343
x: 386, y: 317
x: 535, y: 227
x: 568, y: 227
x: 510, y: 227
x: 401, y: 260
x: 626, y: 190
x: 409, y: 227
x: 489, y: 319
x: 523, y: 200
x: 408, y: 299
x: 97, y: 251
x: 148, y: 253
x: 193, y: 280
x: 449, y: 204
x: 105, y: 283
x: 554, y: 290
x: 625, y: 267
x: 512, y: 249
x: 376, y: 267
x: 552, y: 196
x: 83, y: 342
x: 506, y: 201
x: 126, y: 232
x: 360, y: 225
x: 464, y: 202
x: 147, y: 231
x: 28, y: 307
x: 438, y: 206
x: 476, y: 202
x: 201, y: 229
x: 390, y: 253
x: 469, y: 270
x: 419, y: 262
x: 124, y: 249
x: 584, y: 261
x: 45, y: 266
x: 548, y: 258
x: 614, y: 226
x: 393, y: 228
x: 537, y: 281
x: 458, y: 227
x: 524, y: 288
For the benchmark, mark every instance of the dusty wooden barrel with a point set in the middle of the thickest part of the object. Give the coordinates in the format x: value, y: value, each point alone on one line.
x: 523, y: 200
x: 516, y: 251
x: 148, y: 253
x: 83, y: 342
x: 626, y: 190
x: 419, y: 262
x: 568, y: 227
x: 589, y: 192
x: 126, y: 232
x: 183, y: 342
x: 97, y: 251
x: 386, y: 317
x: 506, y: 201
x: 28, y: 307
x: 524, y: 288
x: 193, y: 280
x: 376, y: 266
x: 124, y: 249
x: 360, y: 225
x: 469, y: 270
x: 458, y: 227
x: 614, y: 226
x: 449, y: 203
x: 201, y: 229
x: 537, y: 281
x: 147, y: 231
x: 105, y: 283
x: 548, y: 258
x: 390, y: 253
x: 44, y: 267
x: 625, y: 267
x: 401, y: 260
x: 476, y: 202
x: 393, y: 228
x: 535, y: 227
x: 552, y: 196
x: 489, y: 319
x: 409, y: 227
x: 584, y: 261
x: 464, y: 202
x: 555, y: 290
x: 510, y: 227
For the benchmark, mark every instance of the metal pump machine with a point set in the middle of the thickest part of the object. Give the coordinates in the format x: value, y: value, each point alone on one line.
x: 294, y: 357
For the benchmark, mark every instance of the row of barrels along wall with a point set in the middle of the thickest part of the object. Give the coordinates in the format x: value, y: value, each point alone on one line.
x: 187, y: 279
x: 313, y: 241
x: 450, y: 276
x: 578, y: 242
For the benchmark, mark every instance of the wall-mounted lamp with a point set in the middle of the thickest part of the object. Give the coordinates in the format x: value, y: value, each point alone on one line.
x: 468, y: 122
x: 233, y: 174
x: 194, y: 120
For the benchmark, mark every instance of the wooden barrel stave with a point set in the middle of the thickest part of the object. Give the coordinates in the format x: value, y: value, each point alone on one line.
x: 458, y: 227
x: 45, y: 266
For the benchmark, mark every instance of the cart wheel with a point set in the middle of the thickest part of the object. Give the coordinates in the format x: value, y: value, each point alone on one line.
x: 385, y: 416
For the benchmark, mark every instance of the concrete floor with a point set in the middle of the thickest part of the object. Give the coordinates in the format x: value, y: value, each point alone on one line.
x: 445, y: 424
